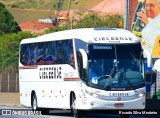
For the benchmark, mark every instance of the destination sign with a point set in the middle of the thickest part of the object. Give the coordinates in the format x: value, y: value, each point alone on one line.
x: 102, y: 47
x: 112, y: 39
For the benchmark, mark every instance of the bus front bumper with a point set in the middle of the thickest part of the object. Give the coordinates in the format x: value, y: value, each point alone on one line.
x: 92, y: 103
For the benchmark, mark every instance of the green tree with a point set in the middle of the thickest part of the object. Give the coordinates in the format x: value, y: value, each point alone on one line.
x: 91, y: 20
x: 9, y: 49
x: 7, y: 22
x: 95, y: 20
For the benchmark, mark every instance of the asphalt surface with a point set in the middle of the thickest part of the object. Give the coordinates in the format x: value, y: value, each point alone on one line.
x: 19, y: 112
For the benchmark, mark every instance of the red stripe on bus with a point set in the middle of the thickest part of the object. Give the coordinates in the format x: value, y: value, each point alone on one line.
x: 71, y: 79
x: 28, y: 67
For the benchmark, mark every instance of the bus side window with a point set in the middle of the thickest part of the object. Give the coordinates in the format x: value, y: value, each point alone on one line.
x: 41, y: 54
x: 82, y: 71
x: 60, y: 52
x: 27, y: 55
x: 49, y: 53
x: 22, y: 54
x: 33, y: 51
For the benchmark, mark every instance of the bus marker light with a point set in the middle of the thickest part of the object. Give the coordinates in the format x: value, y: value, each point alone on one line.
x: 92, y: 104
x: 119, y: 99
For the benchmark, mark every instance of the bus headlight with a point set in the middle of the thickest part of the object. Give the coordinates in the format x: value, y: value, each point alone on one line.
x: 93, y: 94
x: 140, y: 92
x: 96, y: 95
x: 141, y: 95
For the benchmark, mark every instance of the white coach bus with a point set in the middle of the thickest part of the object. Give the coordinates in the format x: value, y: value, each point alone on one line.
x: 82, y: 69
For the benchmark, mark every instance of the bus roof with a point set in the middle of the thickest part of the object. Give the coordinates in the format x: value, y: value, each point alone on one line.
x: 89, y: 35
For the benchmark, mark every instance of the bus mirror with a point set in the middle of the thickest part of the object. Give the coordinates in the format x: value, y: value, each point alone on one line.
x: 84, y: 58
x: 149, y: 57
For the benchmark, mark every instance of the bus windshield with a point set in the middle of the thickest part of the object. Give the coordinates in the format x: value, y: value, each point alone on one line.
x: 115, y: 67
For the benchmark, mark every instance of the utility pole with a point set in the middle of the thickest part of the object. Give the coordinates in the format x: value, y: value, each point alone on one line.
x: 126, y: 14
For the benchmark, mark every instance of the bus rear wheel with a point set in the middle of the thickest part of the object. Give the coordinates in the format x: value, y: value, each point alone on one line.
x: 76, y: 113
x: 34, y: 103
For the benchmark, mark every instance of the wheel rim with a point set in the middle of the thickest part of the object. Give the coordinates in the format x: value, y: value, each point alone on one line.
x: 73, y: 105
x: 34, y: 104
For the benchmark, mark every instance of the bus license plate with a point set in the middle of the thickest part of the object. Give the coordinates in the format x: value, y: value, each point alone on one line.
x: 119, y: 105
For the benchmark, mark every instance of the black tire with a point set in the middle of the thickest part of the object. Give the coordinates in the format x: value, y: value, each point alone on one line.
x: 76, y: 113
x: 35, y: 106
x: 44, y: 111
x: 34, y: 103
x: 125, y: 116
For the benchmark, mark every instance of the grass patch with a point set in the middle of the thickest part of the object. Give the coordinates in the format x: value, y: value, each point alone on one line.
x: 38, y: 7
x: 21, y: 15
x: 48, y: 4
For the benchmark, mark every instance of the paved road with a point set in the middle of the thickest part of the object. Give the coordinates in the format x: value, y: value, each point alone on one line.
x: 18, y: 112
x: 66, y: 114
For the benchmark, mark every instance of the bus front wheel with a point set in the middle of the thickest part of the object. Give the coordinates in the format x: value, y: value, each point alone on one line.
x: 76, y: 113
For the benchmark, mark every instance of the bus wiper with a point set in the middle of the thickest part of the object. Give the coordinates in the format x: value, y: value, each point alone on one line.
x: 109, y: 76
x: 107, y: 79
x: 106, y: 85
x: 115, y: 68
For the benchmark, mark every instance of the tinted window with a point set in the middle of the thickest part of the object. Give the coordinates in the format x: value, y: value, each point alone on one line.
x: 45, y: 53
